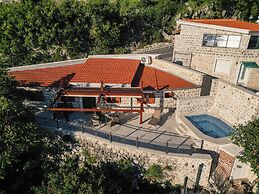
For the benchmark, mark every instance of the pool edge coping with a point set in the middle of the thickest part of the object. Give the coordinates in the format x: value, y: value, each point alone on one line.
x: 196, y: 131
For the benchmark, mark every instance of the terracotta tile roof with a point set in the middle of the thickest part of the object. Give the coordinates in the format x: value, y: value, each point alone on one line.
x: 232, y: 23
x: 94, y: 70
x: 110, y: 71
x: 156, y: 79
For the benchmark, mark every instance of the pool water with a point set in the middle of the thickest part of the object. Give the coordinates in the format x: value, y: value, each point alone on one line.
x: 210, y: 125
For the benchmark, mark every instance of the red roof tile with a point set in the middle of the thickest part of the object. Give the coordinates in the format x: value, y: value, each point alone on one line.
x: 156, y: 79
x: 94, y: 70
x: 232, y: 23
x: 110, y: 71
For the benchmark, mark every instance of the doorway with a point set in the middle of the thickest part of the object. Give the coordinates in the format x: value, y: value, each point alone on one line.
x: 89, y: 102
x: 243, y: 75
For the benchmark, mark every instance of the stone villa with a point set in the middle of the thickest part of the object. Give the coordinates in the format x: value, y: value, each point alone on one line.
x: 224, y: 48
x: 214, y: 77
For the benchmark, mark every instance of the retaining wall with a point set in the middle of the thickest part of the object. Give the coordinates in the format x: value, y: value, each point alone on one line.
x: 175, y: 166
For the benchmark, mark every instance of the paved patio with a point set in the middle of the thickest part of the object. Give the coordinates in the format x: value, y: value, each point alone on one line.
x: 164, y: 133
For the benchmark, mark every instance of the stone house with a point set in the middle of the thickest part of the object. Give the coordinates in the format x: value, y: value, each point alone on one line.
x: 94, y: 84
x: 224, y: 48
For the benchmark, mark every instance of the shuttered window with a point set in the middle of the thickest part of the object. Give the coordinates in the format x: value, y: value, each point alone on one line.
x: 223, y: 66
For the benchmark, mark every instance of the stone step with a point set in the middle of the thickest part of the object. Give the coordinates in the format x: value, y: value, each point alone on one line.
x: 180, y: 130
x: 184, y: 128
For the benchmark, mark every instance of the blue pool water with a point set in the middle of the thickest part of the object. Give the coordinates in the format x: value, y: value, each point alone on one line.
x: 210, y: 125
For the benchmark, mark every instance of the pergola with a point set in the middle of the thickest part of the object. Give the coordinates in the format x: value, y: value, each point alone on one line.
x: 101, y: 93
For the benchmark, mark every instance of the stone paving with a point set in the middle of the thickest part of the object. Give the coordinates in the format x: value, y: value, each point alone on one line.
x: 165, y: 132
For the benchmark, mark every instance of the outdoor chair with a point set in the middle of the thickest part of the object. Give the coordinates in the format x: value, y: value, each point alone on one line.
x: 155, y: 118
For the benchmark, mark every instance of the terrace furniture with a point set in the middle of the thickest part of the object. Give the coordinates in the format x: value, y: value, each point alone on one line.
x: 155, y: 118
x: 116, y: 119
x: 95, y: 120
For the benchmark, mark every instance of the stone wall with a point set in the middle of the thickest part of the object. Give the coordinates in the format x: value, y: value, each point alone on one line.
x: 253, y: 81
x: 187, y: 93
x: 180, y: 71
x: 197, y: 105
x: 203, y: 59
x: 234, y: 104
x: 154, y: 47
x: 175, y: 166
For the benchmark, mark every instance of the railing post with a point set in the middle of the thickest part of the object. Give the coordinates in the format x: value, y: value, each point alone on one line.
x: 185, y: 185
x: 137, y: 143
x: 57, y: 123
x: 110, y: 136
x: 82, y: 128
x: 191, y: 150
x: 202, y: 143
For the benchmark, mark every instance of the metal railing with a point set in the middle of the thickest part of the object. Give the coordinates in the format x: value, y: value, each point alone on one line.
x: 167, y: 147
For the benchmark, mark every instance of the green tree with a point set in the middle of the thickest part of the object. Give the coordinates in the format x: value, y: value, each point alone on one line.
x: 247, y: 136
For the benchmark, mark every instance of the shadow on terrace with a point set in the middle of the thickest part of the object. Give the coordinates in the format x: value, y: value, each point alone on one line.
x: 125, y: 128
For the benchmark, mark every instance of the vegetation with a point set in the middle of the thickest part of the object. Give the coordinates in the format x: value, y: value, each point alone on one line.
x: 247, y: 136
x: 47, y: 30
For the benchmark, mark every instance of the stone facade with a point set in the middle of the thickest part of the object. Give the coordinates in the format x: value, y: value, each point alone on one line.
x: 232, y: 103
x: 175, y: 166
x: 253, y: 81
x: 180, y: 71
x: 189, y: 44
x: 196, y: 105
x: 126, y: 102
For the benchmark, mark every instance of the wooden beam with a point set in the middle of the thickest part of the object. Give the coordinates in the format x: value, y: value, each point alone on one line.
x: 141, y: 104
x: 94, y: 110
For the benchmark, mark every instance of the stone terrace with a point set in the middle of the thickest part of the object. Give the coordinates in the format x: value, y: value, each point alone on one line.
x: 165, y: 133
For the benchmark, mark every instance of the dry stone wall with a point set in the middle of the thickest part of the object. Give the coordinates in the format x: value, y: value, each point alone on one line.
x: 175, y: 167
x: 154, y: 47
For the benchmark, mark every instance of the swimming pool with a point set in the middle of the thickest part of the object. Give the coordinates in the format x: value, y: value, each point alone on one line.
x: 210, y: 125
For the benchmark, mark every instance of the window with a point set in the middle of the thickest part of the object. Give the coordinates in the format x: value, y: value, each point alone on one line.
x: 31, y: 95
x: 113, y: 100
x: 233, y: 41
x: 223, y: 66
x: 221, y: 41
x: 67, y: 99
x: 224, y: 41
x: 254, y: 42
x: 209, y: 40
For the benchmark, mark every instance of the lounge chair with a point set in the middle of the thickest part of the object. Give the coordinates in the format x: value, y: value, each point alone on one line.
x: 155, y: 118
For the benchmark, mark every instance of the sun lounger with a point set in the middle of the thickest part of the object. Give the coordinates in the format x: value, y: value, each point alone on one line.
x: 155, y: 118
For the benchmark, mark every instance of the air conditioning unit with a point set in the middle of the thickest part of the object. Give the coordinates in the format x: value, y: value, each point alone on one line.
x: 146, y: 60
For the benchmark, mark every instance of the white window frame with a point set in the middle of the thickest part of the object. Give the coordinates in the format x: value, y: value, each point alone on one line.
x: 227, y: 43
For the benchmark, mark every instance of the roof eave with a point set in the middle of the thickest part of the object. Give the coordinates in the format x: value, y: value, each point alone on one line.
x: 238, y: 30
